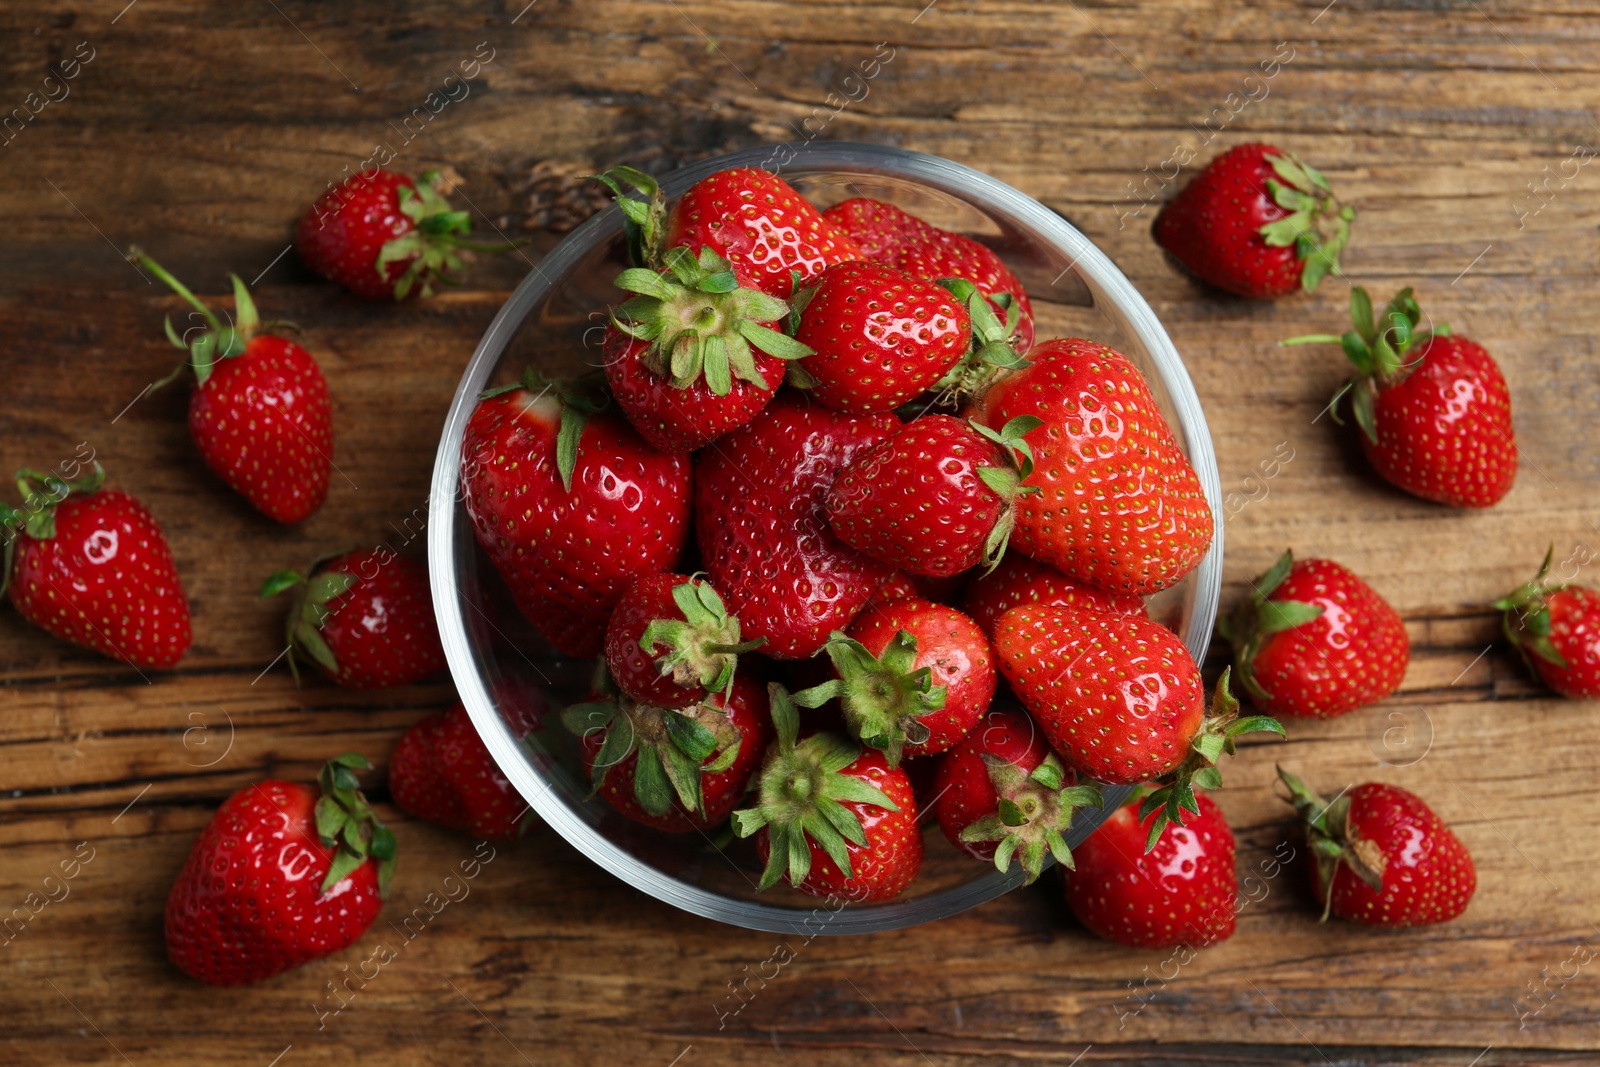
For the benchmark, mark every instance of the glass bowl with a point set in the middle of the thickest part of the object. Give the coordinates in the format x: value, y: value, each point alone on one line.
x: 555, y: 320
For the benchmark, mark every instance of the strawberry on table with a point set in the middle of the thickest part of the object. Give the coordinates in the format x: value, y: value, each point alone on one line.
x: 671, y: 641
x: 1556, y: 627
x: 89, y: 565
x: 1019, y: 580
x: 282, y: 875
x: 1312, y: 639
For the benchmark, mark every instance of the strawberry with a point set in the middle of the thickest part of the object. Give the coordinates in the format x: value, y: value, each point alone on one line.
x: 766, y: 546
x: 259, y: 412
x: 671, y: 641
x: 385, y: 236
x: 282, y: 875
x: 832, y: 818
x: 676, y: 769
x: 365, y: 618
x: 1019, y: 580
x: 1120, y: 507
x: 1256, y: 222
x: 1434, y: 409
x: 90, y: 566
x: 1556, y: 627
x: 571, y: 506
x: 1382, y: 857
x: 1001, y: 793
x: 1184, y: 891
x: 1312, y: 639
x: 936, y: 497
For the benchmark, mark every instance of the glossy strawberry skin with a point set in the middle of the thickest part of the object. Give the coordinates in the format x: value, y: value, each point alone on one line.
x: 961, y: 781
x: 955, y: 651
x: 764, y: 540
x: 1184, y: 892
x: 1120, y: 506
x: 1118, y: 696
x: 1444, y: 429
x: 569, y: 556
x: 342, y: 234
x: 1019, y: 580
x: 682, y: 420
x: 1575, y: 633
x: 1428, y: 875
x: 382, y: 630
x: 916, y: 502
x: 760, y: 224
x: 442, y: 772
x: 248, y: 903
x: 634, y: 670
x: 880, y: 337
x: 105, y: 581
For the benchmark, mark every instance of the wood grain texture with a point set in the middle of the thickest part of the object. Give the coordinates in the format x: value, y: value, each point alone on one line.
x: 201, y: 131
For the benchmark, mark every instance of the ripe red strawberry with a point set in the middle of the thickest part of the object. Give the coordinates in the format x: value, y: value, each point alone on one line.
x: 676, y: 769
x: 671, y: 641
x: 90, y: 566
x: 1556, y: 627
x: 936, y: 497
x: 1382, y: 857
x: 1001, y: 793
x: 1184, y: 891
x: 365, y: 618
x: 570, y: 505
x: 259, y: 412
x: 383, y: 236
x: 1120, y: 508
x: 1312, y: 639
x: 763, y: 538
x: 1019, y: 580
x: 279, y: 878
x: 832, y: 818
x: 1434, y: 409
x: 1256, y: 222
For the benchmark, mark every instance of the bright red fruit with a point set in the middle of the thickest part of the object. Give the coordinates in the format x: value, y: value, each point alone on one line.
x: 91, y: 566
x: 1019, y: 580
x: 571, y: 506
x: 1256, y: 222
x: 281, y: 875
x: 1382, y: 857
x: 1120, y: 506
x: 1312, y: 639
x: 1556, y: 627
x: 759, y: 498
x: 1182, y: 892
x: 671, y: 641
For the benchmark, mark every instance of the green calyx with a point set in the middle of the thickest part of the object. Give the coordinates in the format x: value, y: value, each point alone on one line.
x: 1257, y: 618
x: 1317, y: 226
x: 579, y: 399
x: 883, y: 697
x: 991, y: 351
x: 1332, y: 840
x: 1007, y: 481
x: 217, y: 340
x: 1217, y: 736
x: 1032, y: 816
x: 643, y: 220
x: 434, y: 243
x: 348, y: 826
x: 703, y: 646
x: 801, y: 797
x: 41, y: 492
x: 1526, y: 618
x: 308, y: 613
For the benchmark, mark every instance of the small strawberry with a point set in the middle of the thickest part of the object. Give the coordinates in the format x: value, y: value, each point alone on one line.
x: 1019, y: 580
x: 1434, y: 409
x: 936, y: 497
x: 1312, y: 639
x: 766, y: 546
x: 1120, y: 506
x: 1556, y: 627
x: 1184, y: 891
x: 834, y: 819
x: 259, y: 412
x: 570, y: 504
x: 1256, y: 222
x: 671, y: 641
x: 281, y: 875
x: 90, y: 566
x: 1001, y: 793
x: 1382, y: 857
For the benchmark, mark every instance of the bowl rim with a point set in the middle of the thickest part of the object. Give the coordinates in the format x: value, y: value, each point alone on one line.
x: 1105, y: 281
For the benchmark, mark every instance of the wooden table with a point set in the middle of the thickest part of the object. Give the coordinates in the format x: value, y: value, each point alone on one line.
x: 202, y: 131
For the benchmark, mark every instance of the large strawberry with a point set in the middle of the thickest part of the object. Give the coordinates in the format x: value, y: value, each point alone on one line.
x: 765, y: 543
x: 365, y: 618
x: 1312, y: 639
x: 259, y: 412
x: 1019, y: 580
x: 1256, y: 222
x: 833, y: 819
x: 91, y: 566
x: 282, y: 875
x: 1120, y: 506
x: 1433, y: 408
x: 1382, y: 857
x: 571, y: 505
x: 671, y: 641
x: 1556, y: 627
